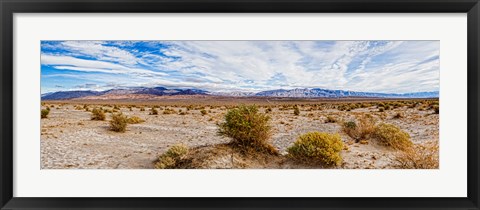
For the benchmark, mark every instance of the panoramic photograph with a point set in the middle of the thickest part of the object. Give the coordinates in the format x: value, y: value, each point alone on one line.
x: 162, y: 105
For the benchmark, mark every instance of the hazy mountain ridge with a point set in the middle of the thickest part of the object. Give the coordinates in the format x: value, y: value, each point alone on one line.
x: 325, y: 93
x: 293, y: 93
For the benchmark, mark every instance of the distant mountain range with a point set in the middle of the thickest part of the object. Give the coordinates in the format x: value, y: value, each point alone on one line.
x: 293, y: 93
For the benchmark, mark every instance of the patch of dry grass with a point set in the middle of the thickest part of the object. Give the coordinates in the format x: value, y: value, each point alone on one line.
x: 361, y: 130
x: 135, y: 120
x: 419, y: 157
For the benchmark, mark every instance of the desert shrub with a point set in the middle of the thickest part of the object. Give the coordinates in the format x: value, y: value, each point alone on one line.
x: 135, y: 120
x: 118, y: 123
x: 419, y: 157
x: 296, y: 110
x: 361, y: 131
x: 248, y: 128
x: 142, y: 109
x: 44, y: 113
x: 366, y: 105
x: 203, y: 112
x: 349, y: 126
x: 392, y: 136
x: 398, y: 115
x: 437, y: 109
x: 381, y: 109
x: 330, y: 119
x: 317, y: 147
x: 268, y: 110
x: 153, y: 111
x: 351, y: 129
x: 169, y: 111
x: 170, y: 159
x: 97, y: 114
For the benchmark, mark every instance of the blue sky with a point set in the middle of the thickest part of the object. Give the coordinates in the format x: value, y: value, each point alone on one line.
x: 250, y: 66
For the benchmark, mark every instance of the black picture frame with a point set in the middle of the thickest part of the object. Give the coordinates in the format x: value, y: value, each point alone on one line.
x: 9, y: 7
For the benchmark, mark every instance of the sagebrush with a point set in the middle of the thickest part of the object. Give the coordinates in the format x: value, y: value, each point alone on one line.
x: 97, y: 114
x: 248, y: 129
x: 318, y: 147
x: 119, y: 122
x: 172, y: 157
x: 392, y: 136
x: 44, y: 113
x: 361, y: 130
x: 135, y: 120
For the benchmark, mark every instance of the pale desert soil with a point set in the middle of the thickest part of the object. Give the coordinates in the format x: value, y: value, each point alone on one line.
x: 69, y: 139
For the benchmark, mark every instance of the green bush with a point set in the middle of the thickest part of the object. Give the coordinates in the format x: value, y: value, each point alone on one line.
x: 97, y: 114
x: 317, y: 147
x: 392, y: 136
x: 171, y: 158
x: 44, y: 113
x: 118, y: 123
x: 248, y: 128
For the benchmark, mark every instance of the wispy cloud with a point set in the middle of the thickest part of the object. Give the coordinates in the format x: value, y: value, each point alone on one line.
x: 380, y: 66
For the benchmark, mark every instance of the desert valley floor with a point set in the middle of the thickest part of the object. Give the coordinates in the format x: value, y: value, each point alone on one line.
x: 71, y: 140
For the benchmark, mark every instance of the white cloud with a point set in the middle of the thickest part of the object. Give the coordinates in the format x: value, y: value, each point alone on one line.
x: 98, y: 50
x: 76, y: 64
x: 391, y: 66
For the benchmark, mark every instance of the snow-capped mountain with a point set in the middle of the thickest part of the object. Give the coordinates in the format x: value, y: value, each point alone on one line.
x: 156, y: 91
x: 293, y: 93
x: 324, y: 93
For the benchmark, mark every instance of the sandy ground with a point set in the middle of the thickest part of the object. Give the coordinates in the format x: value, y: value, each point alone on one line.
x: 69, y: 139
